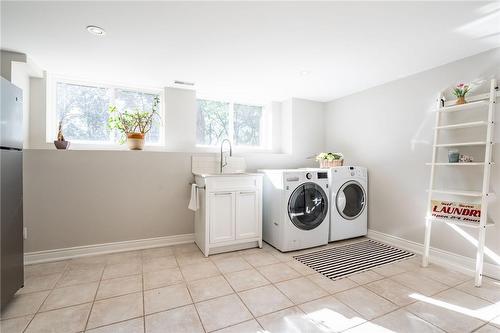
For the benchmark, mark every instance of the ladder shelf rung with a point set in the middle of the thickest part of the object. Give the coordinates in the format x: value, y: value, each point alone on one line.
x: 466, y: 106
x: 458, y: 163
x: 462, y: 193
x: 490, y: 223
x: 474, y: 98
x: 461, y: 144
x: 463, y: 125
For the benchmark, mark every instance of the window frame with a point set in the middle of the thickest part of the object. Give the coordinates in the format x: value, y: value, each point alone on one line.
x: 265, y: 123
x: 52, y: 124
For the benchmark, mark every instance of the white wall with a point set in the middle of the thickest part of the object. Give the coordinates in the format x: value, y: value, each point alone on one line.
x: 180, y: 119
x: 38, y: 102
x: 6, y: 59
x: 389, y: 130
x: 87, y: 196
x: 307, y: 123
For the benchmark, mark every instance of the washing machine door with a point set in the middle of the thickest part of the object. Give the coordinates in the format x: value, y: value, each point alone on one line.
x: 308, y: 206
x: 350, y: 200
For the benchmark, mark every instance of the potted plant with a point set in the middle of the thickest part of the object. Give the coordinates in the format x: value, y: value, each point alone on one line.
x: 134, y: 125
x: 60, y: 143
x: 460, y: 91
x: 329, y: 160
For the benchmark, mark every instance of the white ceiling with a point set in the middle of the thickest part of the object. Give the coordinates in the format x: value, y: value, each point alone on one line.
x: 254, y: 49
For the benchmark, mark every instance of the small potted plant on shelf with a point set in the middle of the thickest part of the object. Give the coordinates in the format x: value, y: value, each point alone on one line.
x: 60, y: 143
x: 460, y: 91
x: 329, y: 160
x: 134, y: 125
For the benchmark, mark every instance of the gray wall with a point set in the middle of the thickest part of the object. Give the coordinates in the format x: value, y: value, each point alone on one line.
x: 75, y: 198
x: 84, y: 197
x: 389, y: 130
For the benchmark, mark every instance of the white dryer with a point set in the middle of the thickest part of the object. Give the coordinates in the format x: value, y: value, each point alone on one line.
x: 349, y: 202
x: 296, y: 209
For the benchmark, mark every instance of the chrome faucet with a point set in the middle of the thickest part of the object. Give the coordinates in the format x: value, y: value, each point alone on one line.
x: 223, y: 160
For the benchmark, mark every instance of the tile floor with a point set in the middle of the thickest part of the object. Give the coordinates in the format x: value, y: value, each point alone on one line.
x: 176, y: 289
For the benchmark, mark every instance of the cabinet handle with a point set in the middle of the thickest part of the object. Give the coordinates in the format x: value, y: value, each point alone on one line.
x: 248, y: 192
x: 222, y: 193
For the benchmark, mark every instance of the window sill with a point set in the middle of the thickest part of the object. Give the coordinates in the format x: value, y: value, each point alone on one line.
x: 156, y: 148
x: 105, y: 147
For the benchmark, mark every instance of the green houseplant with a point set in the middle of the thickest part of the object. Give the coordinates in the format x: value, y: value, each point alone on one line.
x: 328, y: 160
x: 134, y: 124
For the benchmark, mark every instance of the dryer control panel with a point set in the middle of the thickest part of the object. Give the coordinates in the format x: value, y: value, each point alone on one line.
x: 349, y: 171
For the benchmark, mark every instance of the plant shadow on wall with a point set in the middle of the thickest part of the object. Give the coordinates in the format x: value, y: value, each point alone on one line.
x: 134, y: 124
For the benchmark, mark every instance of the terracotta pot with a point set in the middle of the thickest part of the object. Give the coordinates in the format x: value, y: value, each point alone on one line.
x: 135, y: 141
x: 461, y: 100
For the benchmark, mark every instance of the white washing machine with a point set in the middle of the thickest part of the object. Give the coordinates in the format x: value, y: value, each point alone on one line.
x: 349, y: 202
x: 296, y: 209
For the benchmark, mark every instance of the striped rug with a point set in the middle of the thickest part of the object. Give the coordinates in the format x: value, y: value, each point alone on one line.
x: 342, y: 261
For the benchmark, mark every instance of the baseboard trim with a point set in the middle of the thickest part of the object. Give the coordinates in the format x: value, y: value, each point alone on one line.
x: 444, y: 258
x: 88, y: 250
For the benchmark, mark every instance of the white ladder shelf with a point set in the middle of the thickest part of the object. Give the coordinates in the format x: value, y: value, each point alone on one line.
x: 484, y: 101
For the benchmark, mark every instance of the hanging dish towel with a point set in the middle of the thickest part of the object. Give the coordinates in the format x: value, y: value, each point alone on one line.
x: 193, y: 202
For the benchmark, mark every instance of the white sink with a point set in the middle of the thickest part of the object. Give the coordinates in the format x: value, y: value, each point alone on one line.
x: 225, y: 174
x: 209, y: 165
x: 214, y: 181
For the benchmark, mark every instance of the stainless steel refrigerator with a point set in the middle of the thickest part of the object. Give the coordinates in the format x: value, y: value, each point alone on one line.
x: 11, y: 195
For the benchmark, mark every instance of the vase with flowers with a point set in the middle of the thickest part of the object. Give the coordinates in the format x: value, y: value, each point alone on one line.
x: 460, y: 91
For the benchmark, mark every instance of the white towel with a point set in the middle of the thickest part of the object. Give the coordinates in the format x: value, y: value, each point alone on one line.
x: 193, y: 202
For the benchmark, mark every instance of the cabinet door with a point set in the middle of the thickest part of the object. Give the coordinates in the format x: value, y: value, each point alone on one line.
x: 247, y: 215
x: 221, y: 208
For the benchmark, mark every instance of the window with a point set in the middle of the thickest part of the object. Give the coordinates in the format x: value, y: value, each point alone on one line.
x: 83, y: 110
x: 243, y: 124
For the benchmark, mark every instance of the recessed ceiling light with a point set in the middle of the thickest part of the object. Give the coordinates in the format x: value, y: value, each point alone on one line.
x: 95, y: 30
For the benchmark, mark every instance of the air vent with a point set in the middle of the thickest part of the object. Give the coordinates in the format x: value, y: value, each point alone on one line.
x: 184, y: 83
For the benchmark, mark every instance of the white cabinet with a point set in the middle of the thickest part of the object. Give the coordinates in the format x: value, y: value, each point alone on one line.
x: 247, y: 212
x: 230, y: 214
x: 221, y: 220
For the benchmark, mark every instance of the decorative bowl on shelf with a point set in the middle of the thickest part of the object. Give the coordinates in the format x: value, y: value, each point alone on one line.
x: 62, y: 145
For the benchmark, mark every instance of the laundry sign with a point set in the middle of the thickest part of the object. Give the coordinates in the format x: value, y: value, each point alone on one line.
x: 457, y: 211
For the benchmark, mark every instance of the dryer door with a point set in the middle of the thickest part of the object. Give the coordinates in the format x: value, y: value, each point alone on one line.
x: 308, y: 206
x: 350, y: 200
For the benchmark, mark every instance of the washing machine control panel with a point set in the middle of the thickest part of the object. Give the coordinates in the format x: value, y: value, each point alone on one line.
x: 322, y: 175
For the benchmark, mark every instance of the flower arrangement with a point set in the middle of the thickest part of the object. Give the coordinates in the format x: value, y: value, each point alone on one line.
x: 460, y: 91
x: 328, y: 160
